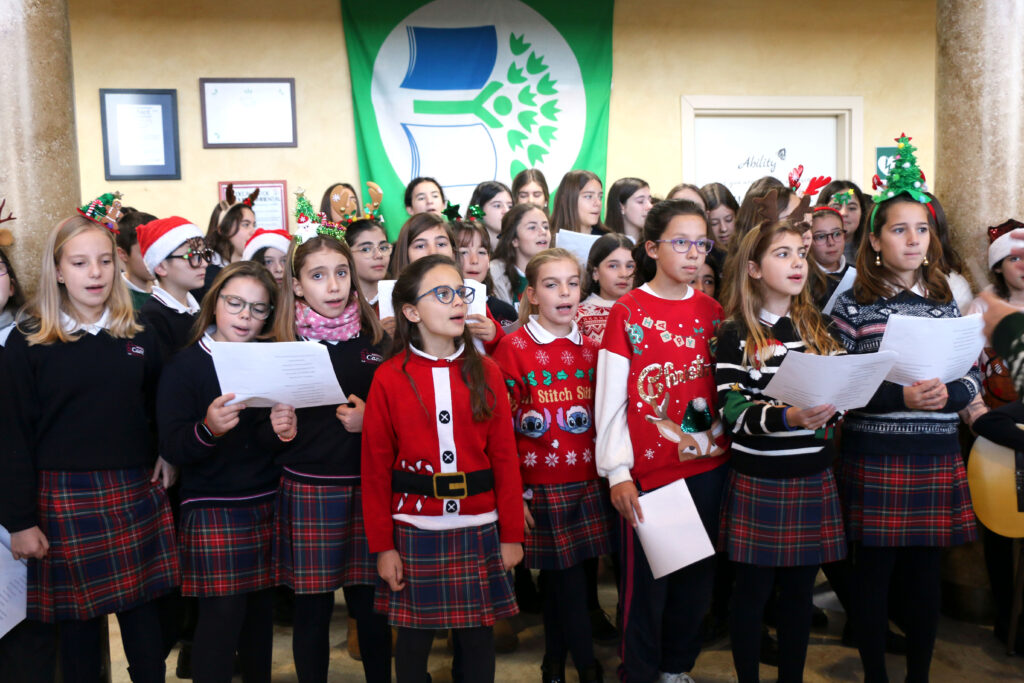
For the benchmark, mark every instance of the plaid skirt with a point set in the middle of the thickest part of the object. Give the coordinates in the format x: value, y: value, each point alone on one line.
x: 111, y: 544
x: 453, y: 579
x: 781, y: 522
x: 906, y: 500
x: 319, y: 538
x: 225, y: 545
x: 573, y: 524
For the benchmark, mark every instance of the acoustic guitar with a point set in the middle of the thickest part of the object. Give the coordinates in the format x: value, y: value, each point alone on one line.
x: 995, y: 475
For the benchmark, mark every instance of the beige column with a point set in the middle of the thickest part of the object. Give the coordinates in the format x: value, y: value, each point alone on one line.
x: 38, y: 144
x: 979, y: 112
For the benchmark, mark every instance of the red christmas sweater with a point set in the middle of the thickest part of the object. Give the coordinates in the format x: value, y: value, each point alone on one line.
x: 663, y: 351
x: 551, y: 383
x: 419, y: 418
x: 592, y: 317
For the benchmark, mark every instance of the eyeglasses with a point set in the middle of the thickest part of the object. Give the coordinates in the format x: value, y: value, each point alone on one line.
x: 446, y: 294
x: 195, y: 257
x: 368, y: 249
x: 234, y: 304
x: 823, y: 237
x: 682, y: 245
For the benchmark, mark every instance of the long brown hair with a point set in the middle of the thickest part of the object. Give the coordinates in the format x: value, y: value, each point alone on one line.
x: 219, y: 238
x: 208, y: 309
x: 745, y: 300
x: 620, y: 191
x: 407, y: 333
x: 414, y: 227
x: 505, y: 252
x: 524, y: 178
x: 284, y: 325
x: 565, y: 214
x: 875, y: 282
x: 464, y: 231
x: 41, y: 321
x: 526, y: 309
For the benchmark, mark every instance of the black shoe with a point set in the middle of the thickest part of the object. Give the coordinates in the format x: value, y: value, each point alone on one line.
x: 591, y: 674
x: 602, y: 630
x: 552, y: 671
x: 819, y: 620
x: 769, y: 648
x: 183, y: 669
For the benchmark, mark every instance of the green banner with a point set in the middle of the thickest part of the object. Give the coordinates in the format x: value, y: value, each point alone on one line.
x: 473, y: 90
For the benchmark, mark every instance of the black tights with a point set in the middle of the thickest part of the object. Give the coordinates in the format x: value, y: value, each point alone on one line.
x: 242, y: 623
x: 566, y: 625
x: 754, y: 585
x: 311, y: 647
x: 917, y: 569
x: 412, y: 650
x: 140, y: 635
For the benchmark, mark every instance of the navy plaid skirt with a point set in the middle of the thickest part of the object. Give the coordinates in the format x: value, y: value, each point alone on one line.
x: 453, y: 579
x: 573, y: 523
x: 906, y: 500
x: 111, y: 544
x: 319, y: 538
x: 225, y: 545
x: 781, y: 522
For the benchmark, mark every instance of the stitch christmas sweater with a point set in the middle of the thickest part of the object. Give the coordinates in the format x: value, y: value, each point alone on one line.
x: 551, y: 386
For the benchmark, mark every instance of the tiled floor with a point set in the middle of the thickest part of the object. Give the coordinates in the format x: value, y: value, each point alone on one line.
x: 964, y: 652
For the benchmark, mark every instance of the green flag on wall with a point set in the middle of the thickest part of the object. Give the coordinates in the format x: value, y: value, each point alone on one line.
x: 473, y: 90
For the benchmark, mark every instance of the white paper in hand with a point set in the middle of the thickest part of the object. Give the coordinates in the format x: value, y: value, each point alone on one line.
x: 932, y: 347
x: 298, y: 374
x: 479, y: 305
x: 806, y: 380
x: 672, y: 534
x: 577, y: 243
x: 13, y: 586
x: 384, y: 306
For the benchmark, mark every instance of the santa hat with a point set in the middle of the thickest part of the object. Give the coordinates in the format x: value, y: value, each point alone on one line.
x: 157, y: 239
x: 278, y: 239
x: 1000, y: 241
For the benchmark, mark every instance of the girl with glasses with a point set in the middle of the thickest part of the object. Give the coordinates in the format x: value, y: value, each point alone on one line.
x: 371, y: 253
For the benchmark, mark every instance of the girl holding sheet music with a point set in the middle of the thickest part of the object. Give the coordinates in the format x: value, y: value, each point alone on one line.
x: 901, y: 477
x: 319, y: 536
x: 780, y: 514
x: 228, y: 480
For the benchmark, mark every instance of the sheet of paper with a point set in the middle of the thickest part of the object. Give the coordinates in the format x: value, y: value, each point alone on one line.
x: 13, y: 586
x: 805, y: 380
x: 479, y: 305
x: 140, y: 134
x: 384, y: 291
x: 576, y: 242
x: 298, y: 374
x: 672, y: 534
x: 844, y: 284
x: 932, y: 347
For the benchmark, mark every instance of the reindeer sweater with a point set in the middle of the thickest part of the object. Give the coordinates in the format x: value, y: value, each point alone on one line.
x: 551, y: 386
x: 763, y: 443
x: 658, y: 355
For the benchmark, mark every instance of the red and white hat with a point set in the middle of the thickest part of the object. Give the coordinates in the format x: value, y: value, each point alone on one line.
x: 157, y: 239
x: 278, y: 239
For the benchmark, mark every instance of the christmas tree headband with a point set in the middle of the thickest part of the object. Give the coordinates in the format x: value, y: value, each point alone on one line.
x: 6, y: 237
x: 473, y: 213
x: 311, y: 223
x: 105, y: 210
x: 343, y: 202
x: 906, y: 178
x: 843, y: 197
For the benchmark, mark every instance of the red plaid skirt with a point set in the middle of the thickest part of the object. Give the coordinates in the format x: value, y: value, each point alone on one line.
x: 781, y: 522
x: 573, y: 524
x: 225, y: 545
x: 906, y: 500
x: 319, y: 538
x: 454, y: 579
x: 111, y: 544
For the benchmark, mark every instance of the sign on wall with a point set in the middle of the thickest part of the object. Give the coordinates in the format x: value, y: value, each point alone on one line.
x: 270, y: 207
x: 885, y: 159
x: 468, y: 90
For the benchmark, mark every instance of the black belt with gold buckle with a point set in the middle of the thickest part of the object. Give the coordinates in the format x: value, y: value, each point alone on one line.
x: 443, y: 485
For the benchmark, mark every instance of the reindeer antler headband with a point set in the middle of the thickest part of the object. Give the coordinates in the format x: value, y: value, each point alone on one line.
x: 6, y: 237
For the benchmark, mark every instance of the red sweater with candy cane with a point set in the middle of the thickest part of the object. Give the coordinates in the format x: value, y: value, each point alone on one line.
x: 419, y: 418
x: 551, y: 382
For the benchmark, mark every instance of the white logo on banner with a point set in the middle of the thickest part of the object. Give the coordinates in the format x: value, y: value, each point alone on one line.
x: 467, y: 91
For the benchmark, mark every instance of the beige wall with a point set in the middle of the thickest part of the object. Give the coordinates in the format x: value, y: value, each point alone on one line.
x: 662, y: 50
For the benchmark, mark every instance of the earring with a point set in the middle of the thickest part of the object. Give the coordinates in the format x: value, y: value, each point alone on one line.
x: 878, y: 258
x: 925, y: 263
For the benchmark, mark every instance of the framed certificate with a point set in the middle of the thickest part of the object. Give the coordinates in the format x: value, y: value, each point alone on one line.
x: 271, y: 206
x: 248, y: 112
x: 140, y: 134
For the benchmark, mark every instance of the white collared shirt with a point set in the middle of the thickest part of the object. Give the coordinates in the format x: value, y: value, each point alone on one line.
x: 842, y: 264
x: 71, y: 326
x: 191, y: 306
x: 132, y: 286
x: 542, y: 335
x: 424, y: 354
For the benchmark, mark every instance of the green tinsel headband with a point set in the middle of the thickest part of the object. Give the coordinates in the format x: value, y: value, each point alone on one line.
x: 906, y: 178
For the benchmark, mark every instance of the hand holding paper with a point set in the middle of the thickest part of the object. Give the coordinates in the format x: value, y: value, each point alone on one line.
x: 807, y: 380
x: 297, y: 374
x: 672, y: 533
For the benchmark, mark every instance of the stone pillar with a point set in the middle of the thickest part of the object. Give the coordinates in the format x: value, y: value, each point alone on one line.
x: 38, y: 144
x: 979, y: 112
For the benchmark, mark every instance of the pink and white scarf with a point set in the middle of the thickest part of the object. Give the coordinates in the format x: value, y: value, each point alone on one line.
x: 312, y: 325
